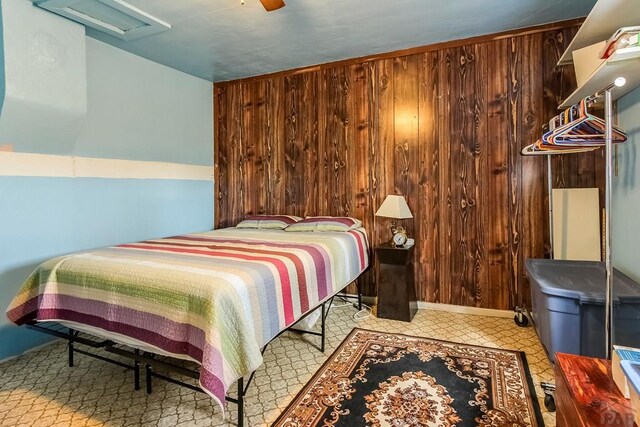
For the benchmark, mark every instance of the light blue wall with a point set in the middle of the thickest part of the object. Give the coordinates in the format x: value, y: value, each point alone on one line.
x: 137, y: 110
x: 626, y: 191
x: 1, y: 63
x: 141, y: 110
x: 46, y: 217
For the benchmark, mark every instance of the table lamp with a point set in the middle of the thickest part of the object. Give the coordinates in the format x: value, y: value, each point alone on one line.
x: 395, y: 207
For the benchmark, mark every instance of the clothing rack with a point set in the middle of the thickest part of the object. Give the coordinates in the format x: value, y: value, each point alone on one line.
x: 608, y: 144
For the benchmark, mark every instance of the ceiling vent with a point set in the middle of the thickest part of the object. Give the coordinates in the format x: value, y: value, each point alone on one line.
x: 113, y: 17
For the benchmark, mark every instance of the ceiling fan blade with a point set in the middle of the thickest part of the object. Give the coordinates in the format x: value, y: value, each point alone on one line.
x: 272, y: 5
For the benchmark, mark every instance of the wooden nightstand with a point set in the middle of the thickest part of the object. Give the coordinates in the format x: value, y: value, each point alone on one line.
x: 396, y: 289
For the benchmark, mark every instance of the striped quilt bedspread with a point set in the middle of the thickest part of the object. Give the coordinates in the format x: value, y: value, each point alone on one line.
x: 215, y: 297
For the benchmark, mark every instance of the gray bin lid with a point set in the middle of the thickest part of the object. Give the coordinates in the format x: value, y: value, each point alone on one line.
x: 580, y: 280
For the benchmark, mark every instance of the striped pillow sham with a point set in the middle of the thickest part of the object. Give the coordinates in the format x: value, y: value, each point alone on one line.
x: 268, y: 222
x: 325, y: 223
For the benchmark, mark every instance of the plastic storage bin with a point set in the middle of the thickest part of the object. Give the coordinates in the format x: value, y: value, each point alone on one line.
x: 568, y: 306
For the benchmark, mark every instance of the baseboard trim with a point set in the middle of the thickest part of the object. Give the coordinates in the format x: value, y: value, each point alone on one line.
x: 31, y: 350
x: 423, y: 305
x: 490, y: 312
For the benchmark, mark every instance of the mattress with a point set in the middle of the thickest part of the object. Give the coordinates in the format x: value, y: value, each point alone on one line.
x: 215, y: 297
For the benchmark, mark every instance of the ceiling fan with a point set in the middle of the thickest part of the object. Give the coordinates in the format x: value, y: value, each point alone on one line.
x: 272, y: 5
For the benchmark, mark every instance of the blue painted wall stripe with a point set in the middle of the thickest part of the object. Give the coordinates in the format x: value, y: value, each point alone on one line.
x: 45, y: 217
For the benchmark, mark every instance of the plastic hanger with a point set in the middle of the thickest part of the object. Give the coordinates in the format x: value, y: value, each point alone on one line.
x: 586, y: 129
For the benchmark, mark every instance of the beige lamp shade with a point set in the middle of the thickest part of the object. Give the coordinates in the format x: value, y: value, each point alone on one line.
x: 394, y: 206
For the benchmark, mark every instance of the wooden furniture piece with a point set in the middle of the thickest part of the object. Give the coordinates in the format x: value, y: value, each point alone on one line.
x: 586, y: 394
x: 396, y: 289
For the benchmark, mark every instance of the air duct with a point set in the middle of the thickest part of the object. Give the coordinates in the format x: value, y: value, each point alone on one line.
x: 114, y: 17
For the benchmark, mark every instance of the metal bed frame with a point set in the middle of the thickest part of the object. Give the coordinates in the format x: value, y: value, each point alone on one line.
x: 152, y: 364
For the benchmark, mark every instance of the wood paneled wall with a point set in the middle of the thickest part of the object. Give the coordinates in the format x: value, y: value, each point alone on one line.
x: 442, y: 127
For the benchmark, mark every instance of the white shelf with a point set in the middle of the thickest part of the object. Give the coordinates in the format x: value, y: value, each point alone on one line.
x: 623, y: 63
x: 605, y: 18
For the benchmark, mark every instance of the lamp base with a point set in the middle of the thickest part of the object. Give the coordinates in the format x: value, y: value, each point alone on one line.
x: 393, y: 229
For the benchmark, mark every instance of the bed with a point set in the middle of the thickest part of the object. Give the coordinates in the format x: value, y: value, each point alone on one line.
x: 216, y: 297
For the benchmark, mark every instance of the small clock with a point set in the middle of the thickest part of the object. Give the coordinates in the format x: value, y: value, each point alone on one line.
x: 399, y: 237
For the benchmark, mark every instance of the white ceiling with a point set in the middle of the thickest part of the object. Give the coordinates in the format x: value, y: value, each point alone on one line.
x: 222, y: 40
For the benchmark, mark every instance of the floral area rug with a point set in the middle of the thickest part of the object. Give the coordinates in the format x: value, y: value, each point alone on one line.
x: 380, y: 379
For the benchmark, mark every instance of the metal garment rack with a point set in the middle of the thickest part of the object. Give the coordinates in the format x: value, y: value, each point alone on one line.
x: 608, y: 119
x: 520, y: 319
x: 152, y: 364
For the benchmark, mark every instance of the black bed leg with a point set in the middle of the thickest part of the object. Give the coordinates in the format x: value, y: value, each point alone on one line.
x: 70, y: 348
x: 241, y: 402
x: 322, y: 339
x: 148, y: 371
x: 136, y: 373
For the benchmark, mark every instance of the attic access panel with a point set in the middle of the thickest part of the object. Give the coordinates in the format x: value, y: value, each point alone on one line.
x: 114, y: 17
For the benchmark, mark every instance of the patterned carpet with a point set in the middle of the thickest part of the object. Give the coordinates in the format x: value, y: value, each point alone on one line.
x: 39, y: 389
x: 387, y: 380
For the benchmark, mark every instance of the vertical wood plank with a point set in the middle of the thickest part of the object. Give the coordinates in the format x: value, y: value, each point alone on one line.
x: 337, y: 130
x: 323, y: 157
x: 348, y: 151
x: 533, y: 167
x: 260, y: 181
x: 310, y: 146
x: 267, y: 136
x: 386, y: 139
x: 426, y: 217
x: 515, y: 169
x: 276, y: 150
x: 497, y: 176
x: 556, y: 78
x: 359, y: 148
x: 405, y: 104
x: 359, y: 151
x: 221, y: 212
x: 481, y: 149
x: 570, y: 164
x: 235, y: 156
x: 551, y: 98
x: 464, y: 221
x: 293, y: 151
x: 248, y: 150
x: 445, y: 240
x: 406, y: 135
x: 368, y: 285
